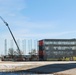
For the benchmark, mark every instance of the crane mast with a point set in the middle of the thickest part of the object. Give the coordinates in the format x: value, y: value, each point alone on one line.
x: 11, y: 35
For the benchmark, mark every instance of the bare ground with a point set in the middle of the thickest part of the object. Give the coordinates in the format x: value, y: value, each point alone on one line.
x: 46, y: 67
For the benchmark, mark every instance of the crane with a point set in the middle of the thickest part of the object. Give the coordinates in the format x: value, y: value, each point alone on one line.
x: 18, y: 49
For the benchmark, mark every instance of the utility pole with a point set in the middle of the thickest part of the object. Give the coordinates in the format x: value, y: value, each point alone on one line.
x: 11, y: 34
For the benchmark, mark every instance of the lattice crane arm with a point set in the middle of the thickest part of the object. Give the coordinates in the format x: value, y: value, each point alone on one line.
x: 11, y: 35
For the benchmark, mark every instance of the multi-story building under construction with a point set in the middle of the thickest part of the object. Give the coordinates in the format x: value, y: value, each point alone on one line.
x: 56, y: 48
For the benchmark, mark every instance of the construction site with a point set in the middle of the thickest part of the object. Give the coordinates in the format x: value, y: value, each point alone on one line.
x: 17, y: 55
x: 39, y: 50
x: 47, y: 57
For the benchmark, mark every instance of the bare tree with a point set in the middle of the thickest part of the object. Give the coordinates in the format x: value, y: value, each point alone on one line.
x: 11, y: 53
x: 33, y: 52
x: 34, y: 55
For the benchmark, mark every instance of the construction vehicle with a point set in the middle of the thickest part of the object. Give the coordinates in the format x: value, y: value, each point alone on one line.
x: 19, y: 57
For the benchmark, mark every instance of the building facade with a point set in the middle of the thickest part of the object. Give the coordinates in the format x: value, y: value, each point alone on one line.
x: 56, y: 48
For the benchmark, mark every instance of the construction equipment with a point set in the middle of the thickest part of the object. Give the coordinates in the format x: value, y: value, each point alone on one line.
x: 18, y: 49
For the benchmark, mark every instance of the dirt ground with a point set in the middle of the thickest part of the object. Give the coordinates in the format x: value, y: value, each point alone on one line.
x: 40, y: 67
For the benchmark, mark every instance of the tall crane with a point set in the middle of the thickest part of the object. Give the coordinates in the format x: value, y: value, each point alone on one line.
x: 18, y: 49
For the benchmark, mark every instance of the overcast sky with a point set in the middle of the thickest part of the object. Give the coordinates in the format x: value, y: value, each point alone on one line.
x: 38, y: 19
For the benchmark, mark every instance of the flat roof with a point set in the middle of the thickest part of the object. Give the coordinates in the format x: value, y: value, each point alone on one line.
x: 58, y: 40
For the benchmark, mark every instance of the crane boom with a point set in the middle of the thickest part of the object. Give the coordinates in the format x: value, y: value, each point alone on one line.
x: 11, y: 34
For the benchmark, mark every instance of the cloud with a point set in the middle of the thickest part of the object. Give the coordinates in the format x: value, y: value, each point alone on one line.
x: 10, y: 10
x: 12, y: 4
x: 8, y: 7
x: 22, y: 26
x: 24, y: 35
x: 22, y: 29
